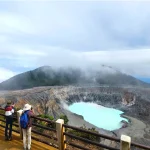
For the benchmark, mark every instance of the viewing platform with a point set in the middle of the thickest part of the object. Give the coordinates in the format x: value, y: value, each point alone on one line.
x: 17, y: 144
x: 56, y: 135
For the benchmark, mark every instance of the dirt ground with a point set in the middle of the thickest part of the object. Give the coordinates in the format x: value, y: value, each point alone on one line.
x: 137, y: 130
x: 16, y: 143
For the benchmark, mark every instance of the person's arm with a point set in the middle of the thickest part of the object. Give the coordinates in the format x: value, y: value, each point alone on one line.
x: 31, y: 113
x: 13, y: 109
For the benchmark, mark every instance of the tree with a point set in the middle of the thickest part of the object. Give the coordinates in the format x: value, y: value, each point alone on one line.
x: 65, y: 118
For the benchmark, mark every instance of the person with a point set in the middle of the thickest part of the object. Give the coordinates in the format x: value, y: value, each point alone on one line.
x: 27, y: 131
x: 9, y: 110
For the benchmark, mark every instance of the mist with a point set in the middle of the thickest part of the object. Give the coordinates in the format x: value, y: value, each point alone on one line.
x: 114, y: 34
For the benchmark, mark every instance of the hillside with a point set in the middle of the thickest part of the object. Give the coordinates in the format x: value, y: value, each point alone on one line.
x: 47, y: 76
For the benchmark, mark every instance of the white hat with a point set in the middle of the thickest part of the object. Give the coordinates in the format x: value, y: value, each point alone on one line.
x: 27, y: 107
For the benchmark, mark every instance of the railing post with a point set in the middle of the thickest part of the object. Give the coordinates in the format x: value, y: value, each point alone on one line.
x: 60, y: 130
x: 125, y: 142
x: 19, y: 112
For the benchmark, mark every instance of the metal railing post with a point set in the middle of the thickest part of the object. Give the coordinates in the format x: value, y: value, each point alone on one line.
x: 19, y: 112
x: 125, y: 142
x: 60, y: 130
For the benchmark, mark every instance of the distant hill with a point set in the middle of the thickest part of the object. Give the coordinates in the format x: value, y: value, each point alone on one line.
x: 147, y: 80
x: 48, y: 76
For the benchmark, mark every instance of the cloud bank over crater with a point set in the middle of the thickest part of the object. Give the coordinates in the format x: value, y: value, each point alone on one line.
x: 86, y: 33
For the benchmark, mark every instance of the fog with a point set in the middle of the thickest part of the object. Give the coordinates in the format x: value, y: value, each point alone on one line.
x: 74, y: 34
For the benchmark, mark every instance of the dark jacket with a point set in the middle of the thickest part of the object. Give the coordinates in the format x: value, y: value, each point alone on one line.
x: 9, y: 110
x: 30, y: 114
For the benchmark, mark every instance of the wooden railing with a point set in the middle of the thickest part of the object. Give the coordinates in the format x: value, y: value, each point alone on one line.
x: 45, y: 128
x: 86, y: 140
x: 62, y: 136
x: 49, y: 139
x: 125, y: 141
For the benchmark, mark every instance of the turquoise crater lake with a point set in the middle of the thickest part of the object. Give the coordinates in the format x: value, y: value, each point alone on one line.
x: 102, y: 117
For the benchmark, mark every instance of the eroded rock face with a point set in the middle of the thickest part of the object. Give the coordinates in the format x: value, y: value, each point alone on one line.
x: 128, y: 99
x: 53, y: 100
x: 135, y: 102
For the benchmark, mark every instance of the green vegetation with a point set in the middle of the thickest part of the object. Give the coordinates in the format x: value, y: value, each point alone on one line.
x: 46, y: 124
x: 85, y: 135
x: 49, y: 117
x: 46, y: 116
x: 65, y: 118
x: 75, y: 132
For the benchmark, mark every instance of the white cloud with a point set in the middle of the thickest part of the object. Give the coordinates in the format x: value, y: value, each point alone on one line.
x: 134, y: 62
x: 6, y: 74
x: 15, y: 23
x: 76, y: 33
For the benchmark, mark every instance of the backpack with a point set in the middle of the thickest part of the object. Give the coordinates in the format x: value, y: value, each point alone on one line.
x: 24, y: 120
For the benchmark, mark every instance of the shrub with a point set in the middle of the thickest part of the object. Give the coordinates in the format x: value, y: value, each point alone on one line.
x: 51, y: 125
x: 46, y: 116
x: 65, y: 118
x: 85, y: 135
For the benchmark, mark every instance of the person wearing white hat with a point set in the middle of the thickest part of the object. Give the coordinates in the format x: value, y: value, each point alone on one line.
x: 27, y: 130
x: 26, y: 107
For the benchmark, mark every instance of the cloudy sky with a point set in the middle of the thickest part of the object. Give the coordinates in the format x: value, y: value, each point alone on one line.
x: 63, y: 33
